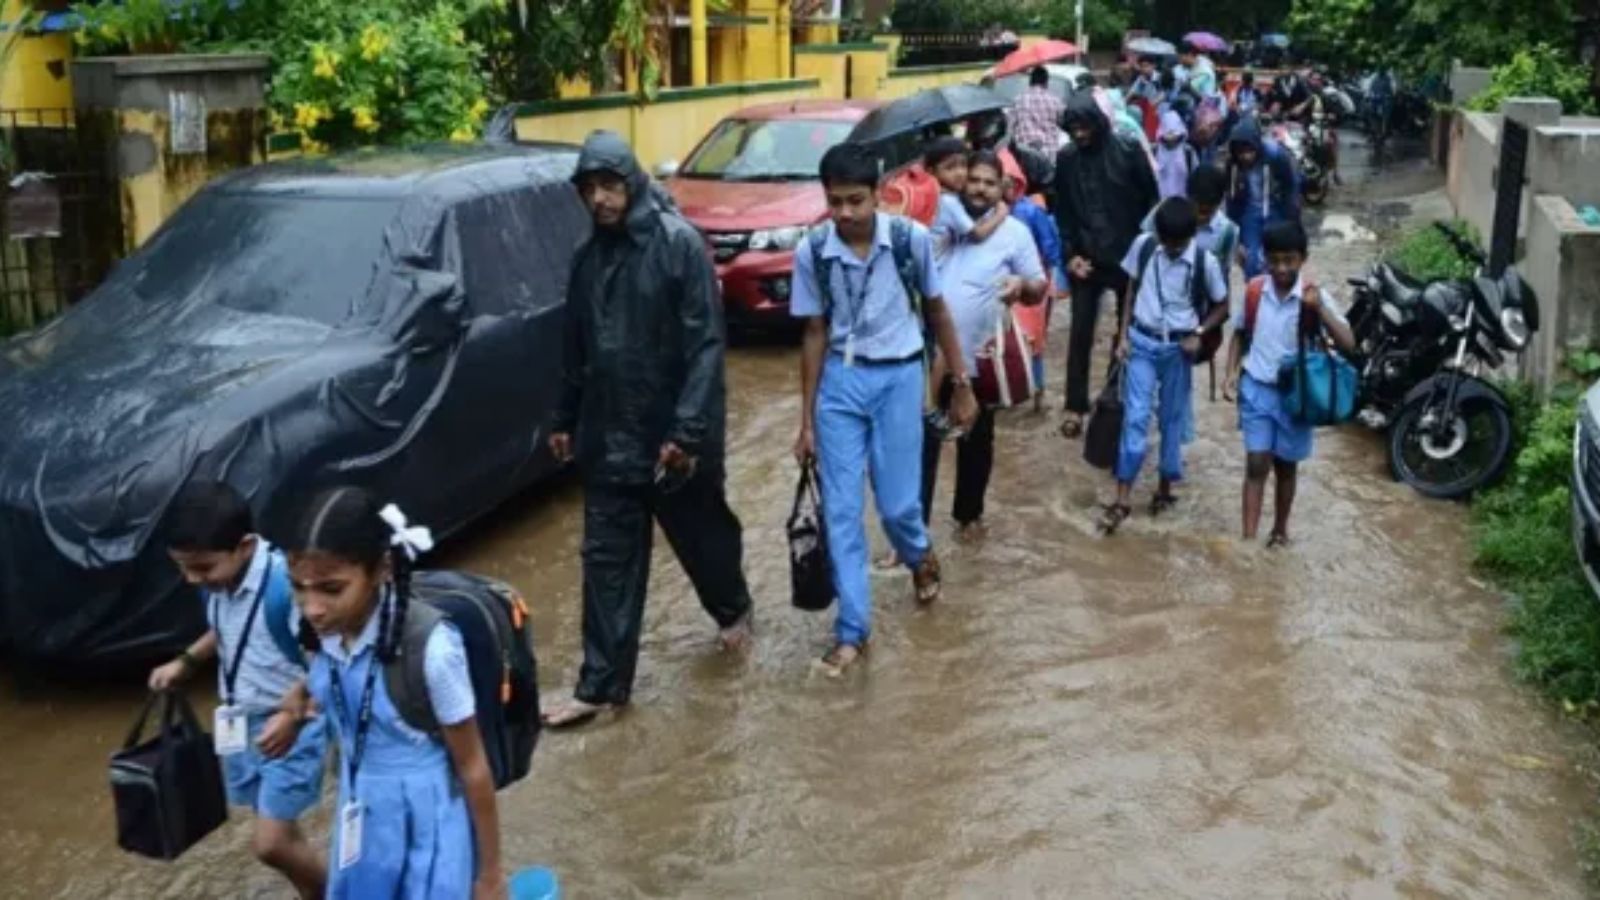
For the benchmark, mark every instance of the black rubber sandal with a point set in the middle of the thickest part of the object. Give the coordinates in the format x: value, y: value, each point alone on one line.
x: 1160, y: 503
x: 1113, y: 517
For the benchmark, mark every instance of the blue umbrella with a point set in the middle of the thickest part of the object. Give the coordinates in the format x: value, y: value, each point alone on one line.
x: 1281, y: 41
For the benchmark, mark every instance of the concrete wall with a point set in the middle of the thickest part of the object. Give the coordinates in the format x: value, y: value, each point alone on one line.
x: 38, y: 75
x: 1474, y: 162
x: 843, y: 70
x: 1562, y: 266
x: 1565, y: 160
x: 666, y: 129
x: 1467, y: 82
x: 904, y: 82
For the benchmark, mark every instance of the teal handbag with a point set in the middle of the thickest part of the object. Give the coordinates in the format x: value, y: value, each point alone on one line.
x: 1318, y: 387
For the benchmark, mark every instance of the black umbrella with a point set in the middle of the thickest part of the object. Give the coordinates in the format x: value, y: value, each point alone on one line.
x: 927, y: 107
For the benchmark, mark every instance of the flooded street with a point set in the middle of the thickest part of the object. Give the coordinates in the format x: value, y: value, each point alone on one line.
x: 1165, y: 713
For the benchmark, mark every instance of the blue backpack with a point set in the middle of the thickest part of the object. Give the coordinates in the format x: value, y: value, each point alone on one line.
x: 905, y: 265
x: 275, y: 607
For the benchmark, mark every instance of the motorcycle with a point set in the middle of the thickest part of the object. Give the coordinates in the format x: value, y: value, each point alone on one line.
x: 1422, y: 350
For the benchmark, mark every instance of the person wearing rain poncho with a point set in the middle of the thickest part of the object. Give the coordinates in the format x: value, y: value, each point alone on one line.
x: 642, y: 412
x: 1263, y: 187
x: 1175, y: 159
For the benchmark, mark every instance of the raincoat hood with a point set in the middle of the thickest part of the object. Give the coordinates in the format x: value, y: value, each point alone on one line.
x: 1083, y: 108
x: 1247, y: 132
x: 606, y: 151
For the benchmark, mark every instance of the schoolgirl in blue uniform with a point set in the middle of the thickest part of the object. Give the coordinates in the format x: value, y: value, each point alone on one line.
x: 416, y: 815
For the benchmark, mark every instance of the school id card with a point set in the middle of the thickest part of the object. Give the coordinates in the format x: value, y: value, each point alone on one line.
x: 230, y: 730
x: 351, y: 817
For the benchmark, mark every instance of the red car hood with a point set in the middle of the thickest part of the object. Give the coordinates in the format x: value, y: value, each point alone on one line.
x: 747, y: 205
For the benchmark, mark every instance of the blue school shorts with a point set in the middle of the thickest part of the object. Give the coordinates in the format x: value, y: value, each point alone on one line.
x: 1266, y: 427
x: 283, y: 788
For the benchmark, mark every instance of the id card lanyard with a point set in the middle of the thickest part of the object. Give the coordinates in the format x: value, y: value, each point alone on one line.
x: 231, y: 729
x: 1161, y: 291
x: 351, y: 814
x: 858, y: 305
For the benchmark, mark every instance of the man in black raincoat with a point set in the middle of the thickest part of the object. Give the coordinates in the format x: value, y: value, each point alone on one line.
x: 1105, y: 186
x: 642, y: 411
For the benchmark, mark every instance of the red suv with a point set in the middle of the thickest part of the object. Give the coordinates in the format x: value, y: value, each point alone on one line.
x: 751, y: 187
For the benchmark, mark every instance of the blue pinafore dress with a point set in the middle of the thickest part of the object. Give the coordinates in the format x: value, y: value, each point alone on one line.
x: 417, y: 833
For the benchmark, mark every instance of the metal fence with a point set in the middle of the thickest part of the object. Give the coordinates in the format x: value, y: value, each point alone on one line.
x: 60, y: 214
x: 943, y: 48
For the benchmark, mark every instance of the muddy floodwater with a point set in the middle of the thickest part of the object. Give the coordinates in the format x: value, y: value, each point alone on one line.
x: 1166, y: 713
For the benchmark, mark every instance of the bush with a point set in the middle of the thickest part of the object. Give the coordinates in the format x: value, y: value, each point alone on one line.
x: 1541, y: 71
x: 1524, y: 543
x: 1427, y: 255
x: 346, y: 74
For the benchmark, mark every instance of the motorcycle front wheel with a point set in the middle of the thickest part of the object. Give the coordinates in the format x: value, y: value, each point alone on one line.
x: 1450, y: 461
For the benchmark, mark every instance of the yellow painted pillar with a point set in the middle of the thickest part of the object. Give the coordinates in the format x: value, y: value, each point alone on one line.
x: 785, y: 20
x: 762, y: 59
x: 697, y: 43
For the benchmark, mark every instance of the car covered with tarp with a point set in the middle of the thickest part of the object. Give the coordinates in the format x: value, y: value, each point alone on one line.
x: 387, y: 318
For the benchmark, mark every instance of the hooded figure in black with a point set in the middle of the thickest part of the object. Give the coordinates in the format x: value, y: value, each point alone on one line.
x: 1105, y: 186
x: 642, y: 412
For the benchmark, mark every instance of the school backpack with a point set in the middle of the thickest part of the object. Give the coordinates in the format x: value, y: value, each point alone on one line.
x: 1252, y: 305
x: 493, y: 621
x: 1319, y: 388
x: 1211, y: 340
x: 275, y: 607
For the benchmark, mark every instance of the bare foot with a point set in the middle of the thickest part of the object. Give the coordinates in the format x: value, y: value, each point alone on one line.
x: 887, y: 562
x: 1277, y: 540
x: 740, y: 636
x: 972, y: 532
x: 573, y: 713
x: 840, y: 658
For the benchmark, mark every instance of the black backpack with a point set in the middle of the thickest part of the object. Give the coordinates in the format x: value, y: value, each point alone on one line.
x: 1198, y: 295
x: 493, y: 621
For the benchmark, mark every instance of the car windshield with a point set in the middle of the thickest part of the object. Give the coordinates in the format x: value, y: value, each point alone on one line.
x: 295, y: 256
x: 765, y: 149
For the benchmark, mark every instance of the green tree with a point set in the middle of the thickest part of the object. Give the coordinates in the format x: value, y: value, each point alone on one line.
x: 1426, y: 35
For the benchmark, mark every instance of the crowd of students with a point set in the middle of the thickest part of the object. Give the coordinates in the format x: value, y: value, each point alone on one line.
x: 895, y: 314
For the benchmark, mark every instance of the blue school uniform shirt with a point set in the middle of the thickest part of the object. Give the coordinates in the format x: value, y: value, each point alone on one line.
x: 951, y: 225
x: 1042, y: 225
x: 1165, y: 299
x: 265, y: 674
x: 869, y: 300
x: 1277, y: 330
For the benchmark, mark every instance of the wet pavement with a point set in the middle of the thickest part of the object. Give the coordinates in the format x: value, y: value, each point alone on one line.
x: 1165, y: 713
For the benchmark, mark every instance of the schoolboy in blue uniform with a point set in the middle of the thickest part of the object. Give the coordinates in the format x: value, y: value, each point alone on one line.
x: 1271, y: 328
x: 272, y: 757
x: 1161, y: 335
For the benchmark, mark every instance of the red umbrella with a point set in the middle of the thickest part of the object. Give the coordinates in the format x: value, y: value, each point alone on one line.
x: 1037, y: 55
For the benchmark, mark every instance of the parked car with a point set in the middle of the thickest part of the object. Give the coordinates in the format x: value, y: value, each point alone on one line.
x: 751, y: 186
x: 391, y: 319
x: 1586, y: 486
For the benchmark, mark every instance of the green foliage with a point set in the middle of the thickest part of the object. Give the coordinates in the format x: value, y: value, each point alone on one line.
x: 1584, y: 363
x: 379, y: 71
x: 1103, y: 20
x: 1417, y: 36
x: 1524, y: 543
x: 1427, y: 255
x: 1541, y: 71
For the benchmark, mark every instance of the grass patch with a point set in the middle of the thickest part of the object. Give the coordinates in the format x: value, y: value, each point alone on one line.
x: 1523, y: 543
x: 1426, y: 255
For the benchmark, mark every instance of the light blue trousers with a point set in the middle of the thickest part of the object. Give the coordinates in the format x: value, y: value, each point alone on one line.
x: 869, y: 418
x: 1157, y: 382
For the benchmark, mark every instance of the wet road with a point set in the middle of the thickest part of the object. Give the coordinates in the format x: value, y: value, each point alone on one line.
x: 1167, y: 713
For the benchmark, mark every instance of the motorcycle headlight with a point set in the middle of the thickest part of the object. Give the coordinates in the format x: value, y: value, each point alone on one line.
x: 777, y: 238
x: 1515, y: 327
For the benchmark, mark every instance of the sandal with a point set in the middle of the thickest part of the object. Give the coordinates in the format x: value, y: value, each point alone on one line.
x: 1113, y: 517
x: 1277, y: 540
x: 928, y: 580
x: 573, y: 714
x: 1072, y: 427
x: 1160, y: 503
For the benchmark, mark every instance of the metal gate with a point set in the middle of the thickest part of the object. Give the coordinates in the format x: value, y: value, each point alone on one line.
x: 60, y: 215
x: 1510, y: 177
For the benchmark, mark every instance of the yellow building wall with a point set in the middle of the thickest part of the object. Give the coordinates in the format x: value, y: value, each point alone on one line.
x: 764, y: 60
x: 904, y: 82
x: 868, y: 70
x: 827, y: 68
x: 149, y: 197
x: 26, y: 81
x: 666, y: 129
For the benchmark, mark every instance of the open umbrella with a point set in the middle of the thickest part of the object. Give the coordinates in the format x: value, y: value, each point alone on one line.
x: 931, y: 106
x: 1206, y: 41
x: 1151, y: 46
x: 1281, y: 41
x: 1037, y: 55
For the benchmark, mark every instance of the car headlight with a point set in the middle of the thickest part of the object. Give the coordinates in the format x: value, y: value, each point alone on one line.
x: 777, y: 238
x: 1515, y: 327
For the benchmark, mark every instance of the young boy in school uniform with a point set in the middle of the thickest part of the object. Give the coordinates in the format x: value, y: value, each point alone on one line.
x: 272, y: 755
x: 1280, y: 308
x: 1176, y: 297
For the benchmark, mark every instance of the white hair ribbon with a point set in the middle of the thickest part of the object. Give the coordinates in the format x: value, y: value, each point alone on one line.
x: 413, y: 539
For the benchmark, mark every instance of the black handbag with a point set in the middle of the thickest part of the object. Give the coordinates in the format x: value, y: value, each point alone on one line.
x: 167, y: 790
x: 810, y: 570
x: 1103, y: 438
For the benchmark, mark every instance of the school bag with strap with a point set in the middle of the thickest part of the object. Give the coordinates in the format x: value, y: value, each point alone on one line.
x: 1318, y: 387
x: 1198, y: 297
x: 493, y: 621
x: 275, y: 609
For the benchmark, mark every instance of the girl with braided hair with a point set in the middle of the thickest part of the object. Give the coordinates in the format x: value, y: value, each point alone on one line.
x: 416, y: 815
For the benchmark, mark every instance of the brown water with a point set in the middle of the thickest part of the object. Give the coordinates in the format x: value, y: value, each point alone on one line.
x: 1167, y: 713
